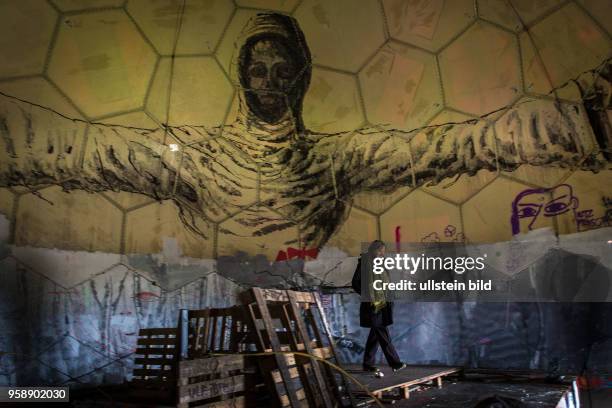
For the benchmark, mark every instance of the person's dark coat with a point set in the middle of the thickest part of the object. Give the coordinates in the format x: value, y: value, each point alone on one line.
x: 367, y: 316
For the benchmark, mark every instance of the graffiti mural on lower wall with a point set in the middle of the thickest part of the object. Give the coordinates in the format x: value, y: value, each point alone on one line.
x: 72, y: 317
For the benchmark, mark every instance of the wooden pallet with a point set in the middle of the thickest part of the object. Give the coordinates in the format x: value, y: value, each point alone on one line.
x: 286, y: 322
x: 402, y: 381
x: 283, y: 321
x: 156, y: 358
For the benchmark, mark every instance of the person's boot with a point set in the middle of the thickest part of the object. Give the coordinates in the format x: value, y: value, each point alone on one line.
x: 399, y: 367
x: 370, y: 368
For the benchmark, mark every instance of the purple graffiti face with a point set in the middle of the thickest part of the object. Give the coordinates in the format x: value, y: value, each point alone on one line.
x: 531, y: 204
x: 562, y: 200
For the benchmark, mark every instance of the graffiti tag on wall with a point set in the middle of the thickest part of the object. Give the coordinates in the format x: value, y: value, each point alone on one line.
x: 532, y: 204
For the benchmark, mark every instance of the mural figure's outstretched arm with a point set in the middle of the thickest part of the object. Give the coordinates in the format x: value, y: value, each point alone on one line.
x: 537, y: 132
x: 40, y: 147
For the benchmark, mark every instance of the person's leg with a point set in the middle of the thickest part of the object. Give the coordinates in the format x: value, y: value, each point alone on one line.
x: 382, y: 334
x: 371, y: 347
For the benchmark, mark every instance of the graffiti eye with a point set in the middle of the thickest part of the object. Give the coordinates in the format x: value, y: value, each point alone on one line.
x: 555, y: 208
x: 528, y: 211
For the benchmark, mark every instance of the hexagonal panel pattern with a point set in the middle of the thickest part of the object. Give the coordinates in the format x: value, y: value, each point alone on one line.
x: 379, y: 202
x: 101, y: 62
x: 243, y: 233
x: 133, y: 119
x: 448, y: 116
x: 538, y: 175
x: 332, y: 103
x: 401, y: 87
x: 420, y: 216
x: 26, y: 28
x: 38, y: 90
x: 158, y: 97
x: 480, y: 70
x: 461, y: 189
x: 357, y: 228
x: 599, y: 10
x: 201, y: 93
x: 567, y: 32
x: 337, y: 38
x: 63, y: 267
x: 428, y: 24
x: 64, y: 220
x: 201, y: 28
x: 499, y: 12
x: 127, y: 201
x: 530, y: 10
x: 134, y: 299
x: 487, y: 215
x: 228, y: 46
x: 156, y: 228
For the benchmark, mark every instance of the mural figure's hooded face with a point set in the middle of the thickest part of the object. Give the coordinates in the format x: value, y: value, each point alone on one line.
x: 273, y: 68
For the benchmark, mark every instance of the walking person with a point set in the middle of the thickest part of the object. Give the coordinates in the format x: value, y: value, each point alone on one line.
x: 377, y: 313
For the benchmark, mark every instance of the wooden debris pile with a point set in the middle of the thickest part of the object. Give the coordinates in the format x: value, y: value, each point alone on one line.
x: 272, y: 350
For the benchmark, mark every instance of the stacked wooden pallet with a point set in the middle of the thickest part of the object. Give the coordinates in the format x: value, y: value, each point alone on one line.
x: 274, y: 346
x: 292, y: 326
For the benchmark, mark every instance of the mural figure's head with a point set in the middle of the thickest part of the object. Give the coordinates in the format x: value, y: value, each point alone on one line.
x: 531, y: 204
x: 273, y: 68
